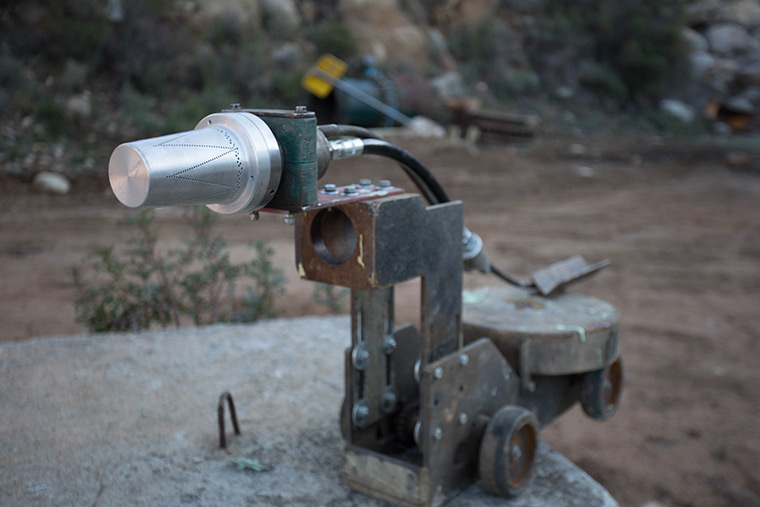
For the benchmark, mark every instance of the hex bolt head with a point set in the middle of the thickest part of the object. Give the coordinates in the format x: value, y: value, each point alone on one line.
x: 330, y: 188
x: 389, y: 345
x: 462, y: 418
x: 360, y: 356
x: 301, y: 109
x: 464, y: 359
x: 365, y: 182
x: 438, y: 373
x: 384, y: 183
x: 437, y: 434
x: 360, y: 414
x: 349, y: 190
x: 254, y: 216
x: 290, y: 219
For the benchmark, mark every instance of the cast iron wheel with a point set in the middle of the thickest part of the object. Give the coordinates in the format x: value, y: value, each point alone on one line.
x: 601, y: 391
x: 508, y: 451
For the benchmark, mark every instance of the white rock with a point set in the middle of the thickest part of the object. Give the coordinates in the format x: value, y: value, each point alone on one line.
x: 729, y: 39
x: 79, y: 106
x: 577, y: 149
x: 425, y: 127
x: 585, y: 171
x: 52, y: 183
x: 677, y: 109
x: 695, y: 40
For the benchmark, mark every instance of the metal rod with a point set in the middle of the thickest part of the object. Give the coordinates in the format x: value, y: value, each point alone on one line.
x: 361, y: 96
x: 233, y: 416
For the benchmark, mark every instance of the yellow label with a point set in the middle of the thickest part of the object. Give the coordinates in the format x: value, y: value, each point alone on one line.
x: 317, y: 80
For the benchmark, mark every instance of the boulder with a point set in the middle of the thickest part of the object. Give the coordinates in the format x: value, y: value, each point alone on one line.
x: 701, y: 63
x: 728, y: 39
x: 749, y: 74
x: 694, y: 40
x: 677, y: 109
x: 52, y: 183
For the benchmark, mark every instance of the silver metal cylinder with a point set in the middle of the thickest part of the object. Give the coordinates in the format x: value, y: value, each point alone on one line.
x: 231, y: 162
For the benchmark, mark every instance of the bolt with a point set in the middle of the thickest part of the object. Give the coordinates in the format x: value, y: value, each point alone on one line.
x: 417, y: 370
x: 235, y: 106
x: 365, y: 182
x: 349, y: 190
x: 464, y: 359
x: 516, y: 452
x: 330, y: 188
x: 389, y: 345
x: 254, y: 216
x: 290, y: 219
x: 301, y: 109
x: 360, y: 356
x: 360, y: 413
x: 462, y: 418
x: 437, y: 434
x: 385, y: 183
x: 389, y: 399
x: 438, y: 373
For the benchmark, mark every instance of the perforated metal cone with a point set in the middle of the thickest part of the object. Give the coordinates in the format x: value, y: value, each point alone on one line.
x: 231, y: 161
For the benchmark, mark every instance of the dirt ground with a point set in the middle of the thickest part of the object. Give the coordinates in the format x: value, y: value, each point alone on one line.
x: 679, y: 225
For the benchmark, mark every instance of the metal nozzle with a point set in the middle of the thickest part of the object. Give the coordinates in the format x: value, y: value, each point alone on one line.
x: 230, y: 162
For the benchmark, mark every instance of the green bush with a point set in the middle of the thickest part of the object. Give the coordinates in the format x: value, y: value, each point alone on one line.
x: 195, y: 282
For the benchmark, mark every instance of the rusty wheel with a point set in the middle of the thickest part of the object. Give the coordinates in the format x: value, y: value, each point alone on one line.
x: 601, y: 391
x: 508, y: 451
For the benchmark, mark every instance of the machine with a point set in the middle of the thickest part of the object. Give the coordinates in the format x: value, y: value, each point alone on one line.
x: 427, y: 410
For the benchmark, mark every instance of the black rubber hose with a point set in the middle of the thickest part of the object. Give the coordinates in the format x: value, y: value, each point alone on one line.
x: 333, y: 131
x: 411, y: 164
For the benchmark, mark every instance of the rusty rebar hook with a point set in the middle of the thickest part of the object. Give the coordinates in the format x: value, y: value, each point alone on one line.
x: 233, y: 416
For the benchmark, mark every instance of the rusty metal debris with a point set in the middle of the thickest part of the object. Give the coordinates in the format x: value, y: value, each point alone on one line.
x: 233, y: 415
x: 498, y: 125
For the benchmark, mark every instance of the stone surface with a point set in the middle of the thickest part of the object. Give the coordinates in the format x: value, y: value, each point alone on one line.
x: 131, y: 419
x: 52, y: 183
x: 677, y: 109
x: 729, y: 39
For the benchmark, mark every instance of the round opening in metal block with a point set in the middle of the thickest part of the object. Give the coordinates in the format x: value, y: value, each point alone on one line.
x: 333, y: 236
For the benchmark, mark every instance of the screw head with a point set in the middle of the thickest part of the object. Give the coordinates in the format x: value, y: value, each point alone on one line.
x: 438, y: 373
x: 235, y: 106
x: 462, y: 418
x: 365, y: 182
x: 349, y: 190
x: 254, y: 216
x: 389, y: 345
x: 360, y: 413
x: 360, y: 356
x: 384, y: 183
x: 290, y: 219
x: 330, y: 188
x: 464, y: 359
x: 389, y: 399
x: 516, y: 452
x: 301, y: 109
x: 437, y: 434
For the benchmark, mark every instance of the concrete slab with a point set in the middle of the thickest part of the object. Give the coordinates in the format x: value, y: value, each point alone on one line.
x: 131, y: 419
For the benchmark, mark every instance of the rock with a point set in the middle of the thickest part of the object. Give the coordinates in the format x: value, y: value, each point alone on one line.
x: 694, y: 40
x: 425, y: 127
x: 114, y: 11
x: 281, y: 16
x: 585, y: 171
x: 701, y: 63
x: 723, y: 74
x: 728, y: 39
x: 700, y: 13
x: 752, y: 94
x: 722, y: 128
x: 52, y: 183
x: 577, y: 150
x: 78, y: 106
x: 448, y: 85
x: 739, y: 104
x: 677, y: 109
x: 564, y: 92
x: 749, y: 74
x: 742, y: 12
x: 738, y: 159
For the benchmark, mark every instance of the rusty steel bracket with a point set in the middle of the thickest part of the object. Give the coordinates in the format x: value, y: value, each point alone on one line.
x: 220, y: 414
